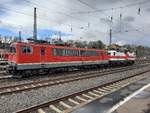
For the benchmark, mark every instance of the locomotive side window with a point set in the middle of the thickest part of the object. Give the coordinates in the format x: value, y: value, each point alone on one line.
x: 75, y: 53
x: 69, y: 52
x: 57, y: 52
x: 88, y: 53
x: 65, y: 52
x: 26, y: 49
x: 54, y: 52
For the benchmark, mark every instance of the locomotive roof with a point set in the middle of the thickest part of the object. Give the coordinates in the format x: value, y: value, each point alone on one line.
x: 54, y: 46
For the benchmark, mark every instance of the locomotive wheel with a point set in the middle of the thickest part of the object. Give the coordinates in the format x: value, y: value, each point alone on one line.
x: 17, y: 74
x: 34, y: 72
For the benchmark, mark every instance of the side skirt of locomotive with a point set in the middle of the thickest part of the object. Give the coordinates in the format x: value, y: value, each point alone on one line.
x: 29, y: 69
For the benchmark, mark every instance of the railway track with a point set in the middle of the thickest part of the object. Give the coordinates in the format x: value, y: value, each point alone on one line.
x: 72, y: 101
x: 3, y: 62
x: 61, y: 80
x: 5, y: 77
x: 2, y: 72
x: 3, y: 65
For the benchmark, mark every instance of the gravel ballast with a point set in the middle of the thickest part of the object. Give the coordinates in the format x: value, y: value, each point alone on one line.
x: 14, y: 102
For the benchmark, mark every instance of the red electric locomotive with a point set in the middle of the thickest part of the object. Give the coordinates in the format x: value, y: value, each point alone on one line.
x: 33, y: 58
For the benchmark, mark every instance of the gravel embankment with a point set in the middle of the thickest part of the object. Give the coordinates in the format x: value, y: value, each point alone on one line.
x: 13, y: 102
x: 13, y: 81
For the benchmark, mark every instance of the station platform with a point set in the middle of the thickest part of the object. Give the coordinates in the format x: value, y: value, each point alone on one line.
x: 138, y: 104
x: 121, y: 101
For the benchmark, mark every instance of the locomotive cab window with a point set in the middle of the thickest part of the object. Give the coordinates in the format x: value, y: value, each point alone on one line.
x: 26, y: 49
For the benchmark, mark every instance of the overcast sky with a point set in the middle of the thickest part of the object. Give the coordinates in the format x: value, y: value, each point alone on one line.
x: 79, y: 19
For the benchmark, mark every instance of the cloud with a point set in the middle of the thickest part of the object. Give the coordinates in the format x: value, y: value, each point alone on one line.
x: 129, y: 19
x: 58, y: 16
x: 20, y: 2
x: 148, y: 9
x: 3, y: 12
x: 96, y: 3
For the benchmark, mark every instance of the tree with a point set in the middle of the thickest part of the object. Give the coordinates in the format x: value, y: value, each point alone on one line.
x: 96, y: 44
x: 79, y: 44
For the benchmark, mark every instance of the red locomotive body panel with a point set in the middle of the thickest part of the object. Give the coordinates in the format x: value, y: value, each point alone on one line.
x: 35, y: 57
x: 54, y: 56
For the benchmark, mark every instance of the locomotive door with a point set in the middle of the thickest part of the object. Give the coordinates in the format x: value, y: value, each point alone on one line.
x: 42, y: 55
